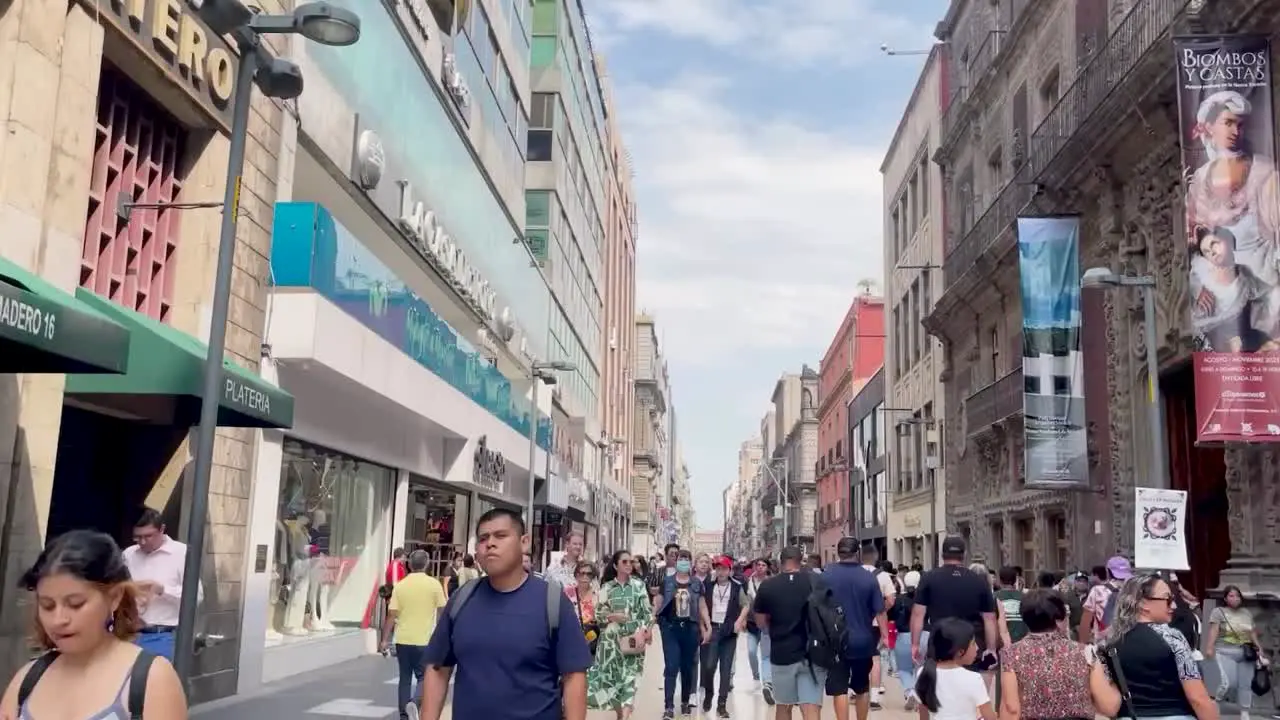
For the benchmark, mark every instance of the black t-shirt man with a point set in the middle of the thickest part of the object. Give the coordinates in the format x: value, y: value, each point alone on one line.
x: 783, y: 598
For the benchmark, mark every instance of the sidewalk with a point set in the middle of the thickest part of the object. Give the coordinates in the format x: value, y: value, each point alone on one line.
x: 366, y: 688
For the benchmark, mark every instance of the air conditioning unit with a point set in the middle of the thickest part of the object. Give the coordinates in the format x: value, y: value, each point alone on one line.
x: 932, y: 462
x: 455, y: 84
x: 613, y: 338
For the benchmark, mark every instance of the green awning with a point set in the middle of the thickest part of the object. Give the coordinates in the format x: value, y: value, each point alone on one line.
x: 165, y: 362
x: 44, y: 329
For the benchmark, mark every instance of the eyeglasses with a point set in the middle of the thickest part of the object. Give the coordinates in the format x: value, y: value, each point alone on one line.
x: 1166, y: 599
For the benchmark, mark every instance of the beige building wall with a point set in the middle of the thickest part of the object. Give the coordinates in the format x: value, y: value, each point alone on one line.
x: 749, y: 455
x: 914, y: 245
x: 50, y: 56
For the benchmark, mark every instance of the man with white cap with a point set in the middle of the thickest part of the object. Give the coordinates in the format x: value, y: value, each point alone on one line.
x: 1094, y: 619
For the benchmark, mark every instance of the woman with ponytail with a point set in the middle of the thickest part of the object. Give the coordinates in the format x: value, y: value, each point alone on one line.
x: 946, y: 688
x: 86, y: 618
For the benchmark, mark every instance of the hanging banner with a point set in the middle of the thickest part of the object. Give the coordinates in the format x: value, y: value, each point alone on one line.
x: 1233, y: 227
x: 1057, y: 448
x: 1159, y: 529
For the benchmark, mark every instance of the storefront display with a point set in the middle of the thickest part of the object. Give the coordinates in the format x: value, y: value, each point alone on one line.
x: 332, y: 542
x: 437, y: 523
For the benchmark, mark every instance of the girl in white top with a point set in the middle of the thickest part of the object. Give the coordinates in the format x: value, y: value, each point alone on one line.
x: 946, y: 688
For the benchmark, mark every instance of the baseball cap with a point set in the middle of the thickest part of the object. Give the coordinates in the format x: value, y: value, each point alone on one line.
x: 847, y: 547
x: 724, y: 561
x: 791, y: 552
x: 953, y: 546
x: 1120, y: 568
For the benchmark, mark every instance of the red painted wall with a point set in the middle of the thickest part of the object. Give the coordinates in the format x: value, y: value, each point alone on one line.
x: 858, y: 346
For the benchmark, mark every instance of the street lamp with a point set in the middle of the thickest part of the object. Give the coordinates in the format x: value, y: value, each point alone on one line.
x: 277, y: 78
x: 544, y: 371
x: 1100, y: 277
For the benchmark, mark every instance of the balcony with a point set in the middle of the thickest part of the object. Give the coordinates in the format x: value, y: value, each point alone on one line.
x: 990, y: 230
x: 978, y: 65
x: 1132, y: 60
x: 994, y: 403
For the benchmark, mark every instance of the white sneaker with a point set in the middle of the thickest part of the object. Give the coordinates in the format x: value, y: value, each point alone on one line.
x: 411, y: 711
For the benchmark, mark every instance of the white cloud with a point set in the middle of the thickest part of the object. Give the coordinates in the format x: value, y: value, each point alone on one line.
x: 754, y: 231
x: 796, y: 32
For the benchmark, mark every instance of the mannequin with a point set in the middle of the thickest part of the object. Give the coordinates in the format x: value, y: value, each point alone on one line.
x: 298, y: 573
x: 321, y: 585
x: 279, y: 566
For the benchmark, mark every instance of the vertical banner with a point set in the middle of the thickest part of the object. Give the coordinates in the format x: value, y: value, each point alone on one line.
x: 1057, y: 449
x: 1233, y: 226
x: 1159, y: 529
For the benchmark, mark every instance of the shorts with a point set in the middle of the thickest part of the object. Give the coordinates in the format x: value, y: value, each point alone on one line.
x: 853, y: 676
x: 798, y: 684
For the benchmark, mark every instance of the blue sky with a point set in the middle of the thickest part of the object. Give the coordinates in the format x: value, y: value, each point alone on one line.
x: 757, y: 129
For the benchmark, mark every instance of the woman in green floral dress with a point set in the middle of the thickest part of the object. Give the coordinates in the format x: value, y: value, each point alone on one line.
x: 626, y: 615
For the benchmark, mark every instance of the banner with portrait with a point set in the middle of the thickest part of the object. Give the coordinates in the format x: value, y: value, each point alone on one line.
x: 1160, y: 529
x: 1057, y: 447
x: 1233, y: 233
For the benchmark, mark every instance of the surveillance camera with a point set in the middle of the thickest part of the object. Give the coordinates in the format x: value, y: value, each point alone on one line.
x: 884, y: 47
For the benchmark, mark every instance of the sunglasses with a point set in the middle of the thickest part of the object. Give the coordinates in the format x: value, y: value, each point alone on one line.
x: 1166, y: 599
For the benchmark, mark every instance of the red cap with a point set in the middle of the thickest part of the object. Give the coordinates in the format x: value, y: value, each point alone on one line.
x: 724, y: 561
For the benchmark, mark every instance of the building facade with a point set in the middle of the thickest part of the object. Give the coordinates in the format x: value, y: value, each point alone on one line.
x: 791, y: 490
x: 854, y: 354
x: 404, y: 321
x: 1067, y: 88
x: 869, y: 487
x: 913, y: 251
x: 650, y: 452
x: 617, y: 399
x: 105, y: 134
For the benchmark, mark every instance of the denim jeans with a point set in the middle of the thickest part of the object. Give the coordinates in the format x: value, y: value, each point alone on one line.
x: 159, y: 643
x: 758, y: 654
x: 679, y: 653
x: 409, y: 658
x: 719, y: 656
x: 1234, y: 673
x: 906, y: 669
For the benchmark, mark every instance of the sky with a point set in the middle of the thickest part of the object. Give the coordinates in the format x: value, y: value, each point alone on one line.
x: 756, y: 129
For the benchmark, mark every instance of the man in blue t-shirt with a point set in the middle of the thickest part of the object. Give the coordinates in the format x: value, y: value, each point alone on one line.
x: 859, y: 594
x: 510, y: 664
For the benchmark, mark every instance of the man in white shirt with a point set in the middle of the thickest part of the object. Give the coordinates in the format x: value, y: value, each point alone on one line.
x: 157, y: 564
x: 871, y: 561
x: 565, y: 571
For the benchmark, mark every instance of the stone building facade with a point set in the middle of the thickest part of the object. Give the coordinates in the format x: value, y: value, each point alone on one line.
x: 1071, y: 108
x: 649, y: 440
x: 86, y: 107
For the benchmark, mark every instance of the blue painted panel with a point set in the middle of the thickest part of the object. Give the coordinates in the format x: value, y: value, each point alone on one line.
x: 311, y: 250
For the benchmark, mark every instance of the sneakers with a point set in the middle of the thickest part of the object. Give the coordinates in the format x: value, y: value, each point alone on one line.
x: 706, y: 702
x: 768, y: 693
x: 722, y: 712
x: 686, y: 708
x: 668, y: 714
x: 411, y: 711
x: 911, y: 701
x: 875, y: 698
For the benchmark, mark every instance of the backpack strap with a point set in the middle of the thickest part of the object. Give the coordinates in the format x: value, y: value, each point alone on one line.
x: 138, y: 683
x: 555, y: 595
x: 33, y: 676
x: 460, y: 597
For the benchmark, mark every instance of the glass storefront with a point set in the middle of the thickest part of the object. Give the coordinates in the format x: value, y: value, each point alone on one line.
x: 332, y: 542
x: 437, y: 522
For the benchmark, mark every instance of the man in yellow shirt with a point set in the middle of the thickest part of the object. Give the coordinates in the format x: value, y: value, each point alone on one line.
x: 416, y: 602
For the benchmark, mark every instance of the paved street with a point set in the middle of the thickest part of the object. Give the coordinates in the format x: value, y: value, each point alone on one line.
x: 365, y: 688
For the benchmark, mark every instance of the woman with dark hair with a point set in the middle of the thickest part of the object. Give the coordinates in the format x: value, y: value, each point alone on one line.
x: 1148, y: 662
x: 945, y: 686
x: 626, y: 613
x: 1047, y: 675
x: 86, y: 618
x: 1233, y: 643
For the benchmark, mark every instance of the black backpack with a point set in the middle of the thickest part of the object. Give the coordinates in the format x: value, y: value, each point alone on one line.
x: 825, y: 626
x: 137, y: 680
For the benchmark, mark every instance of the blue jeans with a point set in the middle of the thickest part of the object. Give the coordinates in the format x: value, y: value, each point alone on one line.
x: 760, y: 669
x: 157, y: 643
x: 679, y: 653
x: 409, y: 658
x: 906, y: 669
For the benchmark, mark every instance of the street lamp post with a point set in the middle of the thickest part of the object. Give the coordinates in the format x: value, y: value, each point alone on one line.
x: 544, y: 371
x: 1099, y: 277
x: 277, y: 78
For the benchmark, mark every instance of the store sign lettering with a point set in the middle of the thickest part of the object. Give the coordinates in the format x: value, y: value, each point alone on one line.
x: 439, y: 247
x: 490, y: 467
x: 27, y: 318
x: 170, y: 32
x: 237, y: 393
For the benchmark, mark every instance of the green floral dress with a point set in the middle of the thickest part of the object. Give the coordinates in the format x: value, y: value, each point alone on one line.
x: 611, y: 682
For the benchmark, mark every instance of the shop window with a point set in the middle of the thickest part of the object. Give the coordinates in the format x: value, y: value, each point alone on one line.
x: 332, y: 542
x: 138, y: 154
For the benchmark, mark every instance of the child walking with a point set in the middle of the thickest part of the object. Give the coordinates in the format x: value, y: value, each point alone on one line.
x: 947, y: 690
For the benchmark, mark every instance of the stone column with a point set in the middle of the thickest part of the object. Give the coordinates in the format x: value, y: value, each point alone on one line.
x: 1046, y: 545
